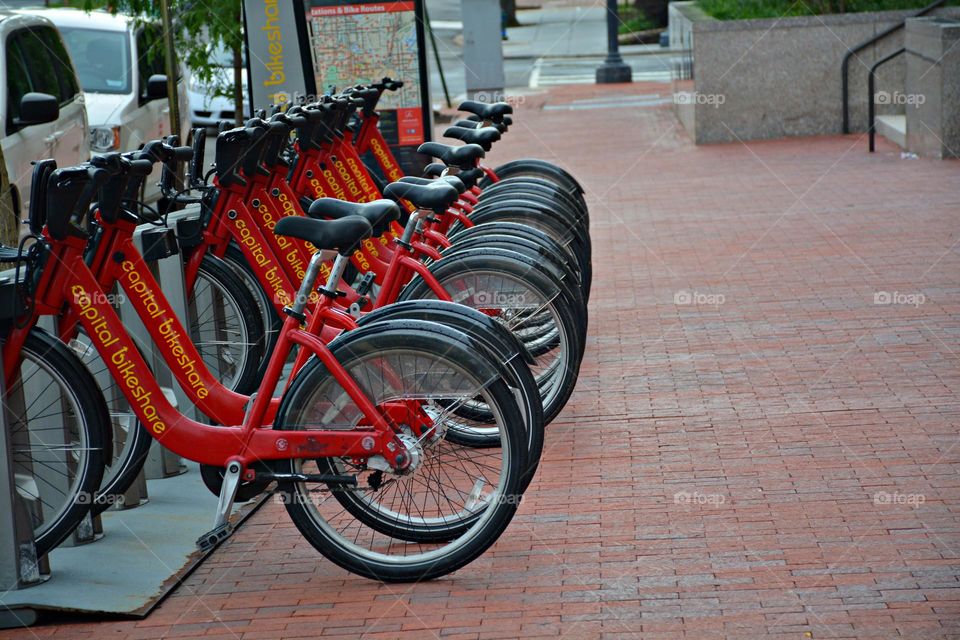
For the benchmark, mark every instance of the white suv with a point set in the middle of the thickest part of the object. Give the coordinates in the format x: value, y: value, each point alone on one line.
x: 41, y: 106
x: 121, y: 67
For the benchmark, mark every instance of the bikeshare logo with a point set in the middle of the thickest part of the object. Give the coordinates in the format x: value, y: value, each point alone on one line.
x: 684, y: 298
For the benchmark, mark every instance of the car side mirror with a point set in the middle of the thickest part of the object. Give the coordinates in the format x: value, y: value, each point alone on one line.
x: 157, y: 87
x: 37, y: 108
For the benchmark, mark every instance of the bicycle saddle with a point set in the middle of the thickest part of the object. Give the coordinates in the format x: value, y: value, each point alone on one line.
x: 438, y: 195
x: 471, y: 177
x: 493, y: 112
x: 434, y: 170
x: 484, y: 136
x: 477, y: 122
x: 464, y: 157
x: 453, y: 181
x: 343, y: 234
x: 378, y: 213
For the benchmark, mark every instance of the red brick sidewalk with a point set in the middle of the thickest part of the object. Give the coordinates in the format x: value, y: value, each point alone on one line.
x: 775, y: 458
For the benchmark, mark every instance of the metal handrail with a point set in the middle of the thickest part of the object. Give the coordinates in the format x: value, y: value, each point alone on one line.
x: 871, y: 108
x: 863, y: 45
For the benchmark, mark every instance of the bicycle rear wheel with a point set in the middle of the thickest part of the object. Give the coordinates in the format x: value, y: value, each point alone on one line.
x: 527, y: 301
x: 398, y: 527
x: 536, y: 168
x: 59, y: 426
x: 226, y: 326
x: 131, y: 441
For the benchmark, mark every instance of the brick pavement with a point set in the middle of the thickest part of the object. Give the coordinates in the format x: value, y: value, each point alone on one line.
x: 776, y: 459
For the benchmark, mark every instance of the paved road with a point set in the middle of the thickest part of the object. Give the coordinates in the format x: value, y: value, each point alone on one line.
x: 555, y: 46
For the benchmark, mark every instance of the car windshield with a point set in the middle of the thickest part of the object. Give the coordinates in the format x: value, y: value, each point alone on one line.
x: 102, y: 59
x: 220, y: 56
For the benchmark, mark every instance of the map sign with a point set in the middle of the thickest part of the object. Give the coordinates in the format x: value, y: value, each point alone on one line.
x: 365, y: 42
x: 298, y: 48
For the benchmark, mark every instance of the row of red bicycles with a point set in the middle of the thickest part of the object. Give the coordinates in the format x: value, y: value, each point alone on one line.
x: 382, y: 351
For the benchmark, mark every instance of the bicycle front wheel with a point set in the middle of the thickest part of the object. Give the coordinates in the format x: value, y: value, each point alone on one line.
x: 58, y: 424
x: 454, y: 503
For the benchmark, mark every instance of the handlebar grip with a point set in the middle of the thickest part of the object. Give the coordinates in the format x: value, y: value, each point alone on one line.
x: 140, y: 167
x: 196, y: 164
x: 182, y: 154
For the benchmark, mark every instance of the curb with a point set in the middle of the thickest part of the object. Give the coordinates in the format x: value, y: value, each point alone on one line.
x: 576, y: 56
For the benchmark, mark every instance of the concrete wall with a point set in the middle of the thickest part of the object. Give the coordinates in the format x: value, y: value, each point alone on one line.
x: 933, y: 74
x: 760, y: 79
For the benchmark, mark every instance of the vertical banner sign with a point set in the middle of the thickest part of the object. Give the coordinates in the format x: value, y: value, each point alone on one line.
x: 276, y: 68
x: 306, y: 47
x: 362, y: 41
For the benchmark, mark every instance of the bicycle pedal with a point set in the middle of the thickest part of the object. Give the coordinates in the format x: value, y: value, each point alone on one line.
x: 212, y: 538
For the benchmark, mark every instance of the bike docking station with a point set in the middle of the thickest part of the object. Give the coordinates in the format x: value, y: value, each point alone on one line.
x: 125, y: 560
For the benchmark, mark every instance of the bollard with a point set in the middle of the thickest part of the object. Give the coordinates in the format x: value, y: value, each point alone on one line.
x: 483, y: 50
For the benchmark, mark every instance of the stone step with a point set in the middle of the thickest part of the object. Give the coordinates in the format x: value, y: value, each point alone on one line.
x: 894, y: 129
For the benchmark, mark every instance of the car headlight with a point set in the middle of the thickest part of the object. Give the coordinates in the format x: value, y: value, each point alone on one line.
x: 105, y: 138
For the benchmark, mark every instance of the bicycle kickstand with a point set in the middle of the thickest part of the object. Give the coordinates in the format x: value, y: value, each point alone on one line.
x: 228, y: 493
x: 221, y: 525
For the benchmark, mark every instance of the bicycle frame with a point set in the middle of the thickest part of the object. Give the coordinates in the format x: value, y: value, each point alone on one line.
x: 67, y: 281
x: 233, y: 218
x: 116, y: 259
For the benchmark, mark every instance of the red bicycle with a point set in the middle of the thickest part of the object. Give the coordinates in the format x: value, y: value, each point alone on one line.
x: 368, y: 416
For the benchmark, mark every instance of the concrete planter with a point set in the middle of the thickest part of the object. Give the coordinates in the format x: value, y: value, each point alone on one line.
x: 761, y: 79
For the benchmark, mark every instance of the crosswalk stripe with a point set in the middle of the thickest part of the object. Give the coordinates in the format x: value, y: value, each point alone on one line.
x: 542, y: 76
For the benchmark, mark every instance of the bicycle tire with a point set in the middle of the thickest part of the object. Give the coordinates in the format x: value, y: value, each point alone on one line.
x: 535, y: 235
x: 240, y: 338
x: 385, y: 343
x: 268, y: 313
x: 539, y: 169
x: 459, y: 274
x: 500, y: 341
x: 84, y: 414
x: 553, y: 263
x: 572, y: 243
x: 533, y: 201
x: 555, y: 197
x: 127, y: 457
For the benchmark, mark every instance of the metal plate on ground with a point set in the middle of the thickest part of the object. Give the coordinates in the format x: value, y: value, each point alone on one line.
x: 144, y: 554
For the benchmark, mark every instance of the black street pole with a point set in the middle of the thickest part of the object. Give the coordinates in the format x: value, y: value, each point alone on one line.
x: 613, y: 69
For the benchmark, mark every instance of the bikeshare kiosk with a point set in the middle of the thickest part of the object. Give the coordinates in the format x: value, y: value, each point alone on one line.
x: 303, y: 48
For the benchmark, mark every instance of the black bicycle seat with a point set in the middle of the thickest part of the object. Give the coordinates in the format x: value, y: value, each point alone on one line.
x: 464, y: 157
x: 434, y: 169
x: 493, y: 112
x: 343, y: 234
x: 438, y: 195
x: 453, y: 181
x: 378, y: 213
x: 484, y: 136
